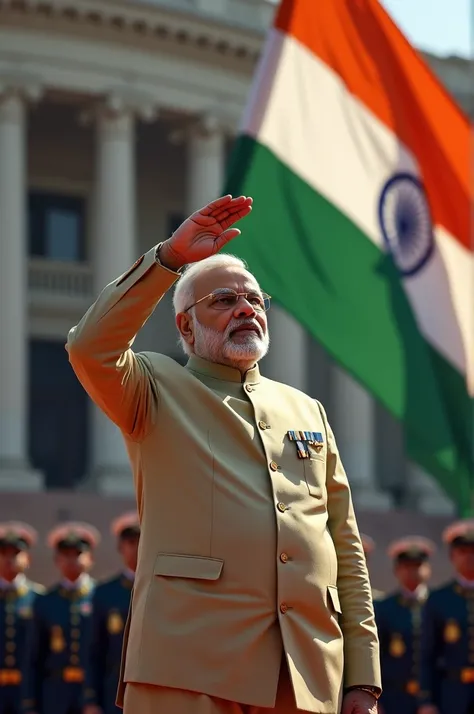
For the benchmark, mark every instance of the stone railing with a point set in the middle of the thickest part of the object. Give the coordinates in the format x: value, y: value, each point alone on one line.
x: 49, y: 279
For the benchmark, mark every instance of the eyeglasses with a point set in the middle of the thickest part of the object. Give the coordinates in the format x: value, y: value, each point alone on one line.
x: 227, y: 299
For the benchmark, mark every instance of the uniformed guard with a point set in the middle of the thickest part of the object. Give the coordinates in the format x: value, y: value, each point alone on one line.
x: 57, y: 651
x: 17, y: 595
x: 110, y: 609
x: 368, y: 545
x: 447, y: 653
x: 398, y: 619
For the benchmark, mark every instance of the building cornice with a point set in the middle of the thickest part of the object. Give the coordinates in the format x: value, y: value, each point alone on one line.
x: 172, y: 20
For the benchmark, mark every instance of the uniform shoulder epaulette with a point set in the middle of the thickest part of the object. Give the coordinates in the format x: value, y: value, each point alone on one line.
x: 442, y: 589
x: 107, y: 583
x: 38, y: 588
x: 53, y: 589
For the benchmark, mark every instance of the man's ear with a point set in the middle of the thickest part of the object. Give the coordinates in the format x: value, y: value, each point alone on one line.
x: 185, y: 326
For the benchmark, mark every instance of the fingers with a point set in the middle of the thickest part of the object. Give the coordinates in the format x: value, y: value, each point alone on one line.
x: 232, y: 218
x: 226, y: 236
x: 226, y: 203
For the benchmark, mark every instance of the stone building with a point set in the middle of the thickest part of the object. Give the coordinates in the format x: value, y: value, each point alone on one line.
x: 116, y: 120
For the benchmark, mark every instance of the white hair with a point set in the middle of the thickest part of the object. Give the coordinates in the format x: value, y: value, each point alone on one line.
x: 184, y: 294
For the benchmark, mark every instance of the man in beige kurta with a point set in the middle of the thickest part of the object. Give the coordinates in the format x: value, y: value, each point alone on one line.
x: 251, y: 590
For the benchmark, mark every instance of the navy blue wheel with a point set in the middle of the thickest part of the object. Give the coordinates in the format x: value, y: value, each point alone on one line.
x: 405, y: 221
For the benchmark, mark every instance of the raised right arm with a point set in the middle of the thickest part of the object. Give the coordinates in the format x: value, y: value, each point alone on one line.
x: 119, y: 381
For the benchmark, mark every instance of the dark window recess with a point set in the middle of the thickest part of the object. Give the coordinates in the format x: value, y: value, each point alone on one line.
x: 173, y: 222
x: 58, y: 416
x: 56, y: 226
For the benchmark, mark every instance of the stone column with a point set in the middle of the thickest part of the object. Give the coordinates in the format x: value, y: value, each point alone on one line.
x: 353, y: 426
x: 424, y: 494
x: 205, y: 165
x: 16, y: 473
x: 287, y: 359
x: 116, y: 249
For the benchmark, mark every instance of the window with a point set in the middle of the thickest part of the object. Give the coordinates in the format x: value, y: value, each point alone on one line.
x: 56, y: 226
x: 58, y: 416
x: 173, y: 221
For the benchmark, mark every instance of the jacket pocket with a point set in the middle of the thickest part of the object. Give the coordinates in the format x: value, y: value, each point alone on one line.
x: 188, y: 566
x: 315, y: 475
x: 333, y: 599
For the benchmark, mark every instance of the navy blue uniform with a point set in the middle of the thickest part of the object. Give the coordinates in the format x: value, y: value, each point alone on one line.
x: 447, y: 651
x: 399, y: 626
x: 110, y: 609
x: 16, y: 619
x: 57, y: 650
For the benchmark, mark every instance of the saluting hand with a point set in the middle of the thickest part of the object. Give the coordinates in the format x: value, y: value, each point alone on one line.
x: 205, y: 232
x: 359, y: 702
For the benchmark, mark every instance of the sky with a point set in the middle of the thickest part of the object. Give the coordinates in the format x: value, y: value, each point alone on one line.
x: 443, y: 27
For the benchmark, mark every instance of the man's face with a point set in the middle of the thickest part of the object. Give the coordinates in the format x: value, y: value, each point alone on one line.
x: 128, y: 549
x: 462, y: 558
x: 72, y: 562
x: 236, y: 336
x: 412, y: 573
x: 12, y: 562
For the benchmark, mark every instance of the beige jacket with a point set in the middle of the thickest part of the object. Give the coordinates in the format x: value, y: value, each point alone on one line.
x: 246, y: 551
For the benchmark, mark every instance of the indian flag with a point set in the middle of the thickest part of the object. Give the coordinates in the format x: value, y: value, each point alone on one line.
x: 358, y: 160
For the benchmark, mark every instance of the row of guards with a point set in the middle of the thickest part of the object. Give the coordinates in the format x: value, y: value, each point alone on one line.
x: 60, y: 649
x: 427, y: 637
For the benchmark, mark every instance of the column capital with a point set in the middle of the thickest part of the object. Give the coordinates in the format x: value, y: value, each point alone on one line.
x: 17, y: 84
x: 121, y: 102
x: 203, y: 126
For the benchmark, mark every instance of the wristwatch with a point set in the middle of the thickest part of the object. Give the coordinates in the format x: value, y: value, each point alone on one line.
x: 374, y: 691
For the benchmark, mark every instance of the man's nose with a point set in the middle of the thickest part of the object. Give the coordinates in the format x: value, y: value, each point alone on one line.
x: 244, y: 308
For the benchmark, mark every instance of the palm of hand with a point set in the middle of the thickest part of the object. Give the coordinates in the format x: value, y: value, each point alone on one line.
x: 206, y: 231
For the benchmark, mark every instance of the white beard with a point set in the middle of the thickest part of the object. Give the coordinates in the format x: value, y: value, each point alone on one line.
x: 218, y: 347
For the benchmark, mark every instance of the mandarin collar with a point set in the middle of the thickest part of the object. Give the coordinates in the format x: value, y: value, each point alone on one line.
x: 412, y: 596
x: 222, y: 371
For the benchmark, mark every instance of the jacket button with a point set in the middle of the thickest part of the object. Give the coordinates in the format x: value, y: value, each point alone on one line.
x: 249, y: 388
x: 281, y: 507
x: 284, y: 558
x: 283, y: 608
x: 263, y: 425
x: 273, y: 465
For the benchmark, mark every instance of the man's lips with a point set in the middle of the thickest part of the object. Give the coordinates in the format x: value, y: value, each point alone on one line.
x: 246, y: 328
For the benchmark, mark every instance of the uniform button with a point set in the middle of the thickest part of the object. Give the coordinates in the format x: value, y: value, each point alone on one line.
x: 249, y: 388
x: 283, y: 608
x: 263, y: 425
x: 273, y: 465
x: 284, y: 558
x: 281, y: 507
